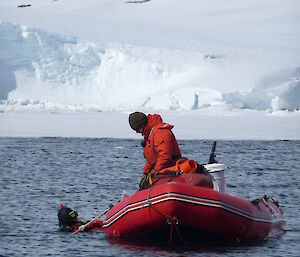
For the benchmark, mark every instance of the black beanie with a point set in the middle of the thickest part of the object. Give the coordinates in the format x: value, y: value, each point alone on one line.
x: 137, y: 119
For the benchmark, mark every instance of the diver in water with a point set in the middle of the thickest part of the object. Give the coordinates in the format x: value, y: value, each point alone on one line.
x: 69, y: 222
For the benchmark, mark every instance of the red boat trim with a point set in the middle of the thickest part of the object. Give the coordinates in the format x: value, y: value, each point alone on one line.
x: 192, y: 200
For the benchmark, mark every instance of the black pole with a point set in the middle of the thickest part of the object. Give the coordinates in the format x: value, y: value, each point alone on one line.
x: 212, y: 157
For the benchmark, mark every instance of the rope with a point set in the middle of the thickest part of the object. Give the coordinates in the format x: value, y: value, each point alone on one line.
x: 171, y: 234
x: 172, y: 221
x: 179, y: 235
x: 150, y: 179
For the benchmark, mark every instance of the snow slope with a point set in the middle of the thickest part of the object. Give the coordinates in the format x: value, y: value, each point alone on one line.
x: 216, y: 57
x: 54, y: 70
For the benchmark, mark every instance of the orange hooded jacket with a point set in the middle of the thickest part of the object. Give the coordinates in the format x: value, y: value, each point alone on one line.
x: 161, y: 149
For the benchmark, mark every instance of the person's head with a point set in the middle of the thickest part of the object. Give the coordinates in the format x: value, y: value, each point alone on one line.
x: 67, y: 216
x: 138, y: 121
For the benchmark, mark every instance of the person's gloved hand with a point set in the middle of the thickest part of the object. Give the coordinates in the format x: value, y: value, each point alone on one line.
x: 81, y: 228
x: 144, y: 182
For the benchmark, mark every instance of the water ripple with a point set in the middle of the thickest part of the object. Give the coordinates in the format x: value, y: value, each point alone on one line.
x: 90, y: 174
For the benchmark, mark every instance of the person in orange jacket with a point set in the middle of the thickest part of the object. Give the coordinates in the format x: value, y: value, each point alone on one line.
x: 161, y: 149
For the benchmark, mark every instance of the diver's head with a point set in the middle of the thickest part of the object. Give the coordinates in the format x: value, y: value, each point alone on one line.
x: 67, y: 216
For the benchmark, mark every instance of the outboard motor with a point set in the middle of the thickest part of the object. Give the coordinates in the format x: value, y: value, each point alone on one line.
x: 217, y: 170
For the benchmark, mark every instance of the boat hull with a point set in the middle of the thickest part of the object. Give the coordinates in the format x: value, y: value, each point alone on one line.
x: 178, y: 207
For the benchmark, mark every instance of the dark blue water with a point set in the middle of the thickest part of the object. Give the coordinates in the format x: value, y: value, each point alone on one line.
x: 90, y: 174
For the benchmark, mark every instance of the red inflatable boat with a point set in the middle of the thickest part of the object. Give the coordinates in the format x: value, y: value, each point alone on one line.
x: 176, y: 207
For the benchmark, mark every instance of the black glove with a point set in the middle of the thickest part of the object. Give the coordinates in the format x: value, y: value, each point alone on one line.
x: 144, y: 182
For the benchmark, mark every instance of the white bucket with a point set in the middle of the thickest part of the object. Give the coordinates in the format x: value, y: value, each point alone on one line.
x: 217, y: 170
